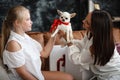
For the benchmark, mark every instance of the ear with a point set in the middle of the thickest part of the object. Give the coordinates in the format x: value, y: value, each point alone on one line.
x: 59, y: 12
x: 72, y: 15
x: 16, y: 23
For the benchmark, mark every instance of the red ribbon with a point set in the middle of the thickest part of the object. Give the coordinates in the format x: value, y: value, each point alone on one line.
x: 56, y: 23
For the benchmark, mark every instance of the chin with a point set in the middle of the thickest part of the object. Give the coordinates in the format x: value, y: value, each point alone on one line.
x: 28, y: 30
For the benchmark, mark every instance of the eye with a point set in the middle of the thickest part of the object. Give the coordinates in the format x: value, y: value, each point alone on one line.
x: 28, y: 19
x: 62, y: 17
x: 66, y: 18
x: 87, y: 22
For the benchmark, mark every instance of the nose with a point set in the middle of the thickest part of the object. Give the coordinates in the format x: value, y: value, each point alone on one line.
x: 63, y: 20
x: 83, y: 21
x: 31, y: 22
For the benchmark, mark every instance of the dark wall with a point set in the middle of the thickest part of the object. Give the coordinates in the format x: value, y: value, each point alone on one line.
x: 43, y: 12
x: 112, y: 6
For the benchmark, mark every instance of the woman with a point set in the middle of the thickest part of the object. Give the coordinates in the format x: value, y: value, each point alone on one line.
x: 20, y: 53
x: 96, y: 51
x: 116, y: 34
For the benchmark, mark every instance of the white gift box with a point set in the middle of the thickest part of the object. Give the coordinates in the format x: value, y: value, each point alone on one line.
x: 59, y: 62
x: 57, y: 58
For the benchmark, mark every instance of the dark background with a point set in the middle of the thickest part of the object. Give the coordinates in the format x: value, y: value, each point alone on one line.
x: 112, y: 6
x: 43, y: 12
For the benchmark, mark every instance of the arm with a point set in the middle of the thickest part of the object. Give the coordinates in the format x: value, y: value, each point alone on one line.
x: 79, y: 52
x: 13, y: 46
x: 25, y: 75
x: 78, y: 56
x: 48, y: 48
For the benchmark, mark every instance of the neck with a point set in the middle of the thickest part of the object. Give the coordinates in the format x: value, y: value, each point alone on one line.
x: 20, y: 32
x: 65, y: 23
x: 116, y: 35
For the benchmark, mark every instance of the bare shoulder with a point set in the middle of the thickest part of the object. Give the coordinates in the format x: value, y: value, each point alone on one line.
x: 13, y: 46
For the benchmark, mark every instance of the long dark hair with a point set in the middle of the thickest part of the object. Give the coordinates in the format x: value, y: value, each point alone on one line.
x: 103, y: 43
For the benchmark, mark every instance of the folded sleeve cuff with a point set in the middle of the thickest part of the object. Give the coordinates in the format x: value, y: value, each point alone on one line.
x: 14, y: 59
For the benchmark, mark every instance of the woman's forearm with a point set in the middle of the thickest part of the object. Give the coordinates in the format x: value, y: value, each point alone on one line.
x: 79, y: 56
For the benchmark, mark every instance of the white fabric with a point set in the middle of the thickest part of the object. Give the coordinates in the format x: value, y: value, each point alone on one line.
x: 29, y: 56
x: 56, y: 54
x: 110, y: 70
x: 3, y: 73
x: 76, y: 70
x: 81, y: 55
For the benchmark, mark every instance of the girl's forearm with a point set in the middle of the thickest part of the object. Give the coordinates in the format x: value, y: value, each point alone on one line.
x: 48, y: 48
x: 24, y: 74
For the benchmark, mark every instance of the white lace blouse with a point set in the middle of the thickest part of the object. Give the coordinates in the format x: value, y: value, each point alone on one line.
x: 29, y: 56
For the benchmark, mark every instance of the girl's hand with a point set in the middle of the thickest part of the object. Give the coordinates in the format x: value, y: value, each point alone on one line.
x: 61, y: 34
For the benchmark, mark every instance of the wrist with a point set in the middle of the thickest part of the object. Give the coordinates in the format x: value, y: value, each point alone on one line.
x: 69, y: 44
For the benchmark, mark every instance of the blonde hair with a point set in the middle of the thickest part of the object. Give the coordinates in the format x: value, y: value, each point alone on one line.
x: 15, y: 13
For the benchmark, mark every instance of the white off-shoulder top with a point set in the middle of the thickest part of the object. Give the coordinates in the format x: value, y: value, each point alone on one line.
x: 28, y: 55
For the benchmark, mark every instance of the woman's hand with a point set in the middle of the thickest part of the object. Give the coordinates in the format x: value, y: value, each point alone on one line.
x: 69, y: 44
